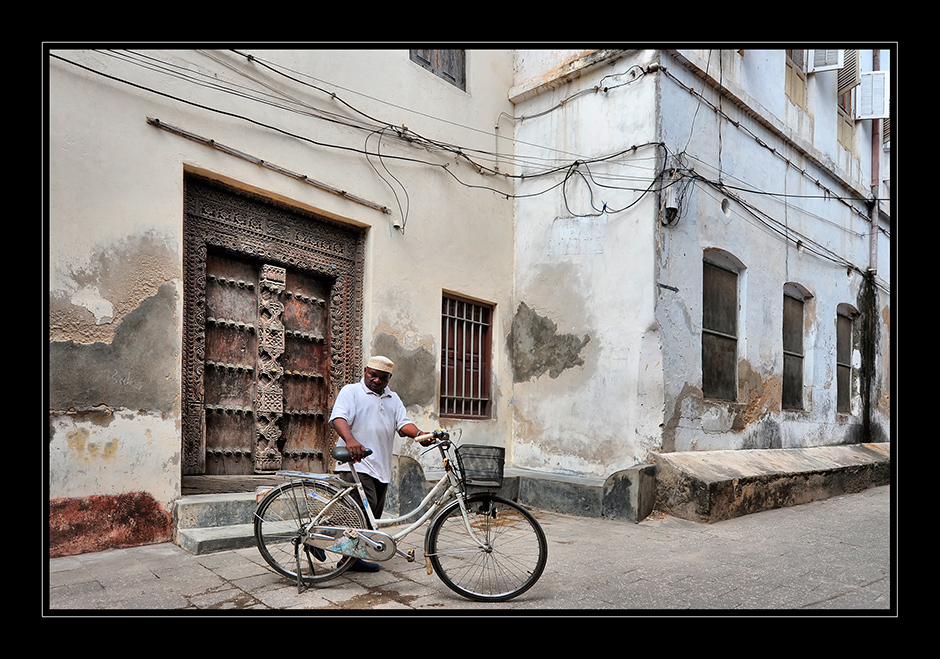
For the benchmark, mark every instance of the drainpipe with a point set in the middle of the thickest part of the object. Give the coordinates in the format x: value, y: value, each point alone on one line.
x: 871, y: 295
x: 875, y: 179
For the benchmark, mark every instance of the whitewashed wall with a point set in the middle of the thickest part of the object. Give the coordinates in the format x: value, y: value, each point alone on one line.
x: 792, y: 177
x: 592, y: 404
x: 619, y: 293
x: 115, y: 218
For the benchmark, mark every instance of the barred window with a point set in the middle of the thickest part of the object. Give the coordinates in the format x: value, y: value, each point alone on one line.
x: 465, y: 358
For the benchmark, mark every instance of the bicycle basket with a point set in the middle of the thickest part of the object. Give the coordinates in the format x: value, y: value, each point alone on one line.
x: 481, y: 466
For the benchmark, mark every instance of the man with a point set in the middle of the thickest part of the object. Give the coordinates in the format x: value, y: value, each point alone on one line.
x: 366, y: 415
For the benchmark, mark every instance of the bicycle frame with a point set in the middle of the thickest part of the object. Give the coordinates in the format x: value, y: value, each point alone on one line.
x: 446, y: 488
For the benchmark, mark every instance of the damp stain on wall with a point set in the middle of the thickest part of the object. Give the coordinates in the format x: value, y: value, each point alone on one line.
x: 135, y: 371
x: 87, y: 304
x: 95, y: 523
x: 415, y: 374
x: 535, y: 346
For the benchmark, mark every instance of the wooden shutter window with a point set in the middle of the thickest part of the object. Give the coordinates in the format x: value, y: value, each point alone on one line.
x: 449, y: 65
x: 719, y: 332
x: 849, y: 74
x: 843, y: 364
x: 792, y: 353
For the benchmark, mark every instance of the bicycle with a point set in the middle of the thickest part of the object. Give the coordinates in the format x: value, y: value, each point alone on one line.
x: 481, y: 545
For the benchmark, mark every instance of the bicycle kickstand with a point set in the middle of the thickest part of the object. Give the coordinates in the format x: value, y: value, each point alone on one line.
x: 301, y: 586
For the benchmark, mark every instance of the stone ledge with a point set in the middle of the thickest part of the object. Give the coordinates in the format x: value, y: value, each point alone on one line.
x: 705, y: 486
x: 628, y: 494
x: 709, y: 486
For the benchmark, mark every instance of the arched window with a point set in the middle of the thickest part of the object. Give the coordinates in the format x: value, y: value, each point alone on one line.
x: 794, y: 298
x: 720, y: 325
x: 845, y: 316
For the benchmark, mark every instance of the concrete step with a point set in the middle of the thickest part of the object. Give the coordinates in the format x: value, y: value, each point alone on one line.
x: 217, y: 522
x: 208, y: 523
x: 218, y: 538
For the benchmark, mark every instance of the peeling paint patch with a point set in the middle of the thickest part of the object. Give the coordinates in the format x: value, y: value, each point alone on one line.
x: 535, y: 347
x: 136, y: 371
x: 86, y: 305
x: 96, y: 523
x: 90, y: 298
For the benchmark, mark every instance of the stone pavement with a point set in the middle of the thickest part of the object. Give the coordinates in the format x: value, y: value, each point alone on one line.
x: 827, y: 557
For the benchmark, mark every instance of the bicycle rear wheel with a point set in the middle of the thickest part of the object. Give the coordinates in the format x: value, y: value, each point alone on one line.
x: 281, y: 518
x: 511, y: 561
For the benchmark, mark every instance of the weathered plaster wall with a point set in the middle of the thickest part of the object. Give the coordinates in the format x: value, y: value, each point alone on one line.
x: 584, y: 346
x: 749, y: 156
x: 115, y: 237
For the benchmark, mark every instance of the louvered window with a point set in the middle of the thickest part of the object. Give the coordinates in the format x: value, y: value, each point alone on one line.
x: 843, y: 364
x: 792, y: 352
x: 719, y: 332
x: 873, y: 95
x: 849, y: 75
x: 465, y: 358
x: 826, y: 60
x: 447, y: 64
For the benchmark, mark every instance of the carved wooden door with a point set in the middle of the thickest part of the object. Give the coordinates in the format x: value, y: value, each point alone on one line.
x: 266, y: 367
x: 272, y: 331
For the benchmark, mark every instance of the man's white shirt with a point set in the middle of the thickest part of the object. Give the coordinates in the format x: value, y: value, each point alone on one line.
x: 374, y: 419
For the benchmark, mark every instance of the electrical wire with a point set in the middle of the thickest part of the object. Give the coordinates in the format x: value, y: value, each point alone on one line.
x: 378, y: 150
x: 579, y: 168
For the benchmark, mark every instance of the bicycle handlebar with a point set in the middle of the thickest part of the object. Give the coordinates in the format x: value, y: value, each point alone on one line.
x: 438, y: 435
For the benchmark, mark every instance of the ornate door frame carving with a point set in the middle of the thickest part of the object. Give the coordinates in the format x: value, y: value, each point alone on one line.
x: 218, y: 216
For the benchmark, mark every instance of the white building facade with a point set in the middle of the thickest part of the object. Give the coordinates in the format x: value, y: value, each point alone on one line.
x: 709, y: 241
x: 584, y: 256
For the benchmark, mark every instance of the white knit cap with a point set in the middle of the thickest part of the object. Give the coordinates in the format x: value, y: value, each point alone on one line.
x: 379, y: 363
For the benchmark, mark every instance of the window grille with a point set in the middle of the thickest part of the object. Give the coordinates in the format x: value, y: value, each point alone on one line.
x: 465, y: 358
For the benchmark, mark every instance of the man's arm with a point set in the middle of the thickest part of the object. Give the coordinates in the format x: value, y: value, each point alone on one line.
x: 411, y: 430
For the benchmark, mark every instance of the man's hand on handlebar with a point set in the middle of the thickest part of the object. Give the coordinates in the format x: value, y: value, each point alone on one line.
x: 431, y: 438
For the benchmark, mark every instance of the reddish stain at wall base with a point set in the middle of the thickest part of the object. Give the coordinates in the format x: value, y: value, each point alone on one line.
x: 96, y: 523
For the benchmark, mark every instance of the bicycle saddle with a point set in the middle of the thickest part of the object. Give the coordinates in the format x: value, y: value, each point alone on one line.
x: 341, y: 453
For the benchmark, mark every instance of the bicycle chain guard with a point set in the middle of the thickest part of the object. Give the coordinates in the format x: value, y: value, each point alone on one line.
x: 359, y: 543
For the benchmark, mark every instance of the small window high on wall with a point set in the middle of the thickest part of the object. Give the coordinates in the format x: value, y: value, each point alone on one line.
x: 465, y: 357
x: 449, y: 65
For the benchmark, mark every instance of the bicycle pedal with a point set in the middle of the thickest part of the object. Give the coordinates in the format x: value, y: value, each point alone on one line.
x: 407, y: 555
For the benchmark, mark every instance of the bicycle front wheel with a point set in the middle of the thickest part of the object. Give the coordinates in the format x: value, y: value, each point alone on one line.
x: 280, y: 522
x: 512, y: 557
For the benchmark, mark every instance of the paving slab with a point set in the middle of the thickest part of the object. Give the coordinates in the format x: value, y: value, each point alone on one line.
x: 828, y: 557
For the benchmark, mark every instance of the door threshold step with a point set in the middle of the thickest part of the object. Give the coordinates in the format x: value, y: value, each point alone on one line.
x: 207, y: 540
